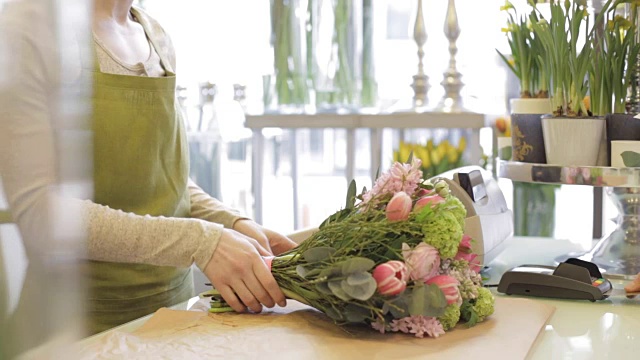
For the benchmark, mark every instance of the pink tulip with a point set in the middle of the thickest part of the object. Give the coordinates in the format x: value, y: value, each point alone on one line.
x: 465, y: 243
x: 399, y: 207
x: 449, y: 286
x: 423, y: 261
x: 431, y: 200
x: 391, y: 277
x: 464, y: 253
x: 471, y: 259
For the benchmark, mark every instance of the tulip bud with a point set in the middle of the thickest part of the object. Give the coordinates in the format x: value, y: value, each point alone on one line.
x: 442, y: 188
x: 449, y: 286
x: 399, y: 207
x: 431, y: 200
x: 391, y: 277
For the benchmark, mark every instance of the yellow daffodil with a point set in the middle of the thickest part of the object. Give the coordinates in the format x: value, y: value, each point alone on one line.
x: 462, y: 145
x: 435, y: 158
x: 430, y: 145
x: 452, y: 155
x: 507, y: 5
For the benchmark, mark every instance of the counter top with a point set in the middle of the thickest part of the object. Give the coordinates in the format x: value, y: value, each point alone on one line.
x: 577, y: 330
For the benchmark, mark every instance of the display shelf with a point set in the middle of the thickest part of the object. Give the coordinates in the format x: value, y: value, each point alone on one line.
x: 618, y: 253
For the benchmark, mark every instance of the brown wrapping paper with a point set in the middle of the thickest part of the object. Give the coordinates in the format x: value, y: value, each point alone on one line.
x: 300, y: 332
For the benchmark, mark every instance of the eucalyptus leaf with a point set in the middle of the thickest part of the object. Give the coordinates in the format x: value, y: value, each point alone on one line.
x: 435, y: 299
x: 331, y: 271
x: 359, y: 278
x: 351, y: 195
x: 324, y: 288
x: 337, y: 217
x: 356, y: 265
x: 361, y: 292
x: 630, y: 158
x: 418, y: 302
x: 356, y: 314
x: 333, y: 314
x: 336, y: 289
x: 301, y: 271
x: 318, y: 254
x: 385, y: 308
x: 400, y: 306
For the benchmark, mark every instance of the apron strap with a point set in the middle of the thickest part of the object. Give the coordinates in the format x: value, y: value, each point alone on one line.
x: 160, y: 50
x: 5, y: 217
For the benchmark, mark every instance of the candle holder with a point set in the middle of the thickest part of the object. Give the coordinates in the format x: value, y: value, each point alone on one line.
x: 420, y: 80
x: 452, y: 83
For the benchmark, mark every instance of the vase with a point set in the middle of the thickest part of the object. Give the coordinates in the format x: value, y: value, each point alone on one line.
x: 526, y: 129
x: 572, y: 141
x: 336, y: 43
x: 621, y: 127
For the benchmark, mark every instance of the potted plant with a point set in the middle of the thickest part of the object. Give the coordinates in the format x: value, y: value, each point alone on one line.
x: 526, y: 111
x: 614, y: 63
x: 572, y: 136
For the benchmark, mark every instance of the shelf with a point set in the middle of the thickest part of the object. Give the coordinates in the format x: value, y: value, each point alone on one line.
x: 569, y: 175
x: 396, y: 120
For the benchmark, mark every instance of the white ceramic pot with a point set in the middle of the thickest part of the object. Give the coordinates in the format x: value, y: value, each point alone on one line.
x: 572, y: 141
x: 530, y: 106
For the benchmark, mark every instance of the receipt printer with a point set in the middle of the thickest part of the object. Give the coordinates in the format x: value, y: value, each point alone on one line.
x: 489, y: 222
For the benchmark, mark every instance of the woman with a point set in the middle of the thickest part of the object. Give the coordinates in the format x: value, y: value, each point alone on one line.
x: 148, y: 222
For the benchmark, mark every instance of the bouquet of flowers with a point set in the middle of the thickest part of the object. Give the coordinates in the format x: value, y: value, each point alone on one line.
x: 395, y: 259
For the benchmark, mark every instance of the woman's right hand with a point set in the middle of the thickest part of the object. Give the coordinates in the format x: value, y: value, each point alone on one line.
x: 238, y: 272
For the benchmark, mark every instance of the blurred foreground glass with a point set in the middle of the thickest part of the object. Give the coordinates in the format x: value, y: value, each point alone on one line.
x: 44, y: 130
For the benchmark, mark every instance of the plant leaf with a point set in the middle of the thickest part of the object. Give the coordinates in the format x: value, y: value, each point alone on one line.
x: 410, y: 159
x: 356, y: 314
x: 324, y: 288
x: 630, y: 158
x: 351, y: 195
x: 338, y: 216
x: 418, y: 301
x: 436, y: 301
x: 331, y: 271
x: 505, y: 153
x: 358, y: 278
x: 301, y: 271
x: 356, y: 265
x: 360, y: 292
x: 317, y: 254
x: 333, y: 314
x: 336, y: 288
x: 400, y: 306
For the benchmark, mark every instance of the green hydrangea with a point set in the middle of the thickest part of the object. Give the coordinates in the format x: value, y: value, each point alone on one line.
x: 484, y: 303
x: 444, y: 232
x: 450, y: 317
x: 476, y: 310
x: 455, y: 206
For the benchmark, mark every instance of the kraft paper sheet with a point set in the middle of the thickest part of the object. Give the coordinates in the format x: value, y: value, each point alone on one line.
x: 300, y: 332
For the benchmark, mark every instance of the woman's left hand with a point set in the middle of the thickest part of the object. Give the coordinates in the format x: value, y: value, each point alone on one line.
x: 270, y: 240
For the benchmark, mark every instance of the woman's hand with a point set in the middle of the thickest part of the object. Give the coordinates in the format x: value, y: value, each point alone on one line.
x: 270, y: 240
x: 238, y: 272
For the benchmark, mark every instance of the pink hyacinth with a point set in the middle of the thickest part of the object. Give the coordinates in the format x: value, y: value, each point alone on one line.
x: 401, y: 177
x: 449, y: 286
x: 399, y: 207
x: 418, y: 325
x: 431, y: 200
x: 391, y: 277
x: 423, y: 261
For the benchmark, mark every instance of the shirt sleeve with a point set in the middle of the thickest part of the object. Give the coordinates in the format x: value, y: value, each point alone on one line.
x: 206, y: 207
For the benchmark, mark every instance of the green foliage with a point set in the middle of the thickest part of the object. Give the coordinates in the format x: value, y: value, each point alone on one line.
x: 630, y: 158
x: 613, y: 63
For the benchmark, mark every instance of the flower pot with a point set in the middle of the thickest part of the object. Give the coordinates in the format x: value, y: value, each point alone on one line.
x: 572, y: 141
x: 526, y: 129
x: 621, y: 127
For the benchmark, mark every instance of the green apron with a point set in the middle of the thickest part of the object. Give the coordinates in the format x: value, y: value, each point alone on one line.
x: 140, y: 166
